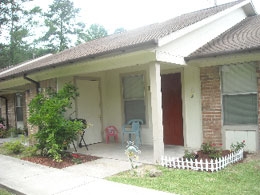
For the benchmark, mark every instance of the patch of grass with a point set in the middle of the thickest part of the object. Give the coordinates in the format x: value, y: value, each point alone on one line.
x: 241, y: 178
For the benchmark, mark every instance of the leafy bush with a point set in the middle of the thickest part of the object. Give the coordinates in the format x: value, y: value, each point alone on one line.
x: 238, y: 146
x: 189, y: 155
x: 19, y: 147
x: 15, y: 147
x: 211, y: 149
x: 206, y: 148
x: 47, y: 112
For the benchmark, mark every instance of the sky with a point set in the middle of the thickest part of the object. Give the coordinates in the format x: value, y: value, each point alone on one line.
x: 130, y: 14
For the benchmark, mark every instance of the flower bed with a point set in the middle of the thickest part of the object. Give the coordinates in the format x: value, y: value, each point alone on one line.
x: 202, y: 165
x: 3, y: 131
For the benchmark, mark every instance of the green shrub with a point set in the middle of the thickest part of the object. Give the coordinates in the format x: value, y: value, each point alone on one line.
x: 238, y: 146
x: 15, y: 147
x: 211, y: 149
x: 30, y: 151
x: 189, y: 155
x: 55, y: 131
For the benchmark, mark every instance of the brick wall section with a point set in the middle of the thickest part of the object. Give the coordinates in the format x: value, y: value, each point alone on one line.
x: 31, y: 93
x: 258, y: 86
x: 51, y: 83
x: 211, y: 104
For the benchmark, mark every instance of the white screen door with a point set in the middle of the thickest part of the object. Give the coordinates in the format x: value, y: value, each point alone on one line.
x: 88, y: 107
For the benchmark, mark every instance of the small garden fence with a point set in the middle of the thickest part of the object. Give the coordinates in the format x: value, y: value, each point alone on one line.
x: 212, y: 165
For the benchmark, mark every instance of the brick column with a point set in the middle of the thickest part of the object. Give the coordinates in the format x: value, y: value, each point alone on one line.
x: 211, y: 104
x: 29, y: 95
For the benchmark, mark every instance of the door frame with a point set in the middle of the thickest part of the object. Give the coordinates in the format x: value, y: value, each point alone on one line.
x: 180, y: 72
x: 86, y: 78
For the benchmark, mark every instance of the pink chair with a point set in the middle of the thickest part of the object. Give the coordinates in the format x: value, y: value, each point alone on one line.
x: 111, y: 131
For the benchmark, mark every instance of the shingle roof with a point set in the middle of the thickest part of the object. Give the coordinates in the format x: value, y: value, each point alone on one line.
x: 243, y: 36
x: 131, y: 39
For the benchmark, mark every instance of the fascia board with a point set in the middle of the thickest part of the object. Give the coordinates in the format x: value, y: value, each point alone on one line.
x: 173, y: 36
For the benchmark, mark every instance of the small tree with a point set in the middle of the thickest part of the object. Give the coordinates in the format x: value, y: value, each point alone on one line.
x: 55, y: 131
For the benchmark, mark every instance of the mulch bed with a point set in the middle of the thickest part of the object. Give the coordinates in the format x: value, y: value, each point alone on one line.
x: 205, y: 157
x: 67, y: 161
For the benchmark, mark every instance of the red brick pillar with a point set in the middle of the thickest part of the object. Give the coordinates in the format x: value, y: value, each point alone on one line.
x: 29, y: 95
x: 211, y: 104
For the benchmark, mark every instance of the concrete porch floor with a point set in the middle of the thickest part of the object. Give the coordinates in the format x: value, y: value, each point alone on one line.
x: 117, y: 151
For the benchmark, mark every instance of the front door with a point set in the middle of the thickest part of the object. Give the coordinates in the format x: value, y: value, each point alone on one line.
x: 88, y: 107
x: 172, y: 109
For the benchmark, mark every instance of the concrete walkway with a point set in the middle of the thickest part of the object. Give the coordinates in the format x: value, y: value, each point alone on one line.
x: 87, y: 178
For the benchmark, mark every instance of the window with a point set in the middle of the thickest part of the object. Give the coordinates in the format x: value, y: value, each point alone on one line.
x: 239, y: 94
x: 133, y: 97
x: 19, y: 107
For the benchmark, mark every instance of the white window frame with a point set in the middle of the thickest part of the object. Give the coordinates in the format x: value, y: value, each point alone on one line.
x: 237, y: 126
x: 124, y: 100
x: 19, y: 106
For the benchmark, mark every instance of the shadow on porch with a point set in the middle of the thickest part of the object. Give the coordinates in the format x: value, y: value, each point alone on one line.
x: 116, y: 151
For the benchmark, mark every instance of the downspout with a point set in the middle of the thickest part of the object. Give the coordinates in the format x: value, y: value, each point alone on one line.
x: 6, y: 110
x: 33, y: 81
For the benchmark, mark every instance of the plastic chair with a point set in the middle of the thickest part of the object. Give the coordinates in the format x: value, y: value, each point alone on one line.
x: 133, y: 127
x: 111, y: 131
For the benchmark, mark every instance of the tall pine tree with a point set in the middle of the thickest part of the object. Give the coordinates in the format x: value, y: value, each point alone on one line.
x: 60, y: 19
x: 15, y: 23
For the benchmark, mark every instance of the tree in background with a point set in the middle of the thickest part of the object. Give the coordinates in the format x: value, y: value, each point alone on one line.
x: 15, y: 23
x: 119, y: 30
x: 28, y: 34
x: 95, y: 31
x: 3, y: 13
x: 60, y: 21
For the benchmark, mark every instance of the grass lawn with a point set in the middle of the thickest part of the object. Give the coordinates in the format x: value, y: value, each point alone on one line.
x: 241, y: 178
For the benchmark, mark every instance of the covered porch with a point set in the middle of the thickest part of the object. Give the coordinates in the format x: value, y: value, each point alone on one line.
x: 117, y: 152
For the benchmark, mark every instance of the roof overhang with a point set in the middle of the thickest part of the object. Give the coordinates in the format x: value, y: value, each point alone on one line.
x: 102, y: 56
x: 225, y: 58
x: 97, y: 64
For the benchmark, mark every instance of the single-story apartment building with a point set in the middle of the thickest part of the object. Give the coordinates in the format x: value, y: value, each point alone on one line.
x: 192, y: 79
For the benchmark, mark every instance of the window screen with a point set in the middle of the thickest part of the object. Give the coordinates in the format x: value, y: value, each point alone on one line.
x: 19, y: 107
x: 239, y: 91
x: 133, y: 95
x: 240, y: 109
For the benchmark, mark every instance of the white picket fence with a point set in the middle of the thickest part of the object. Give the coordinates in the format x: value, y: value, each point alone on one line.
x: 212, y: 165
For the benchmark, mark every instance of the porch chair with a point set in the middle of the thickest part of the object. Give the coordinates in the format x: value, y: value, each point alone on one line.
x: 111, y: 131
x: 133, y: 127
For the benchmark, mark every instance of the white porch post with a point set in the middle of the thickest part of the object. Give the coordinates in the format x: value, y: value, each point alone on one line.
x: 156, y: 111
